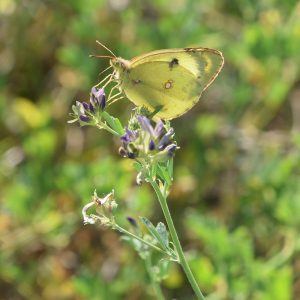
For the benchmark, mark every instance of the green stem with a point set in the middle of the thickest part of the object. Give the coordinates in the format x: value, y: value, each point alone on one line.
x: 104, y: 126
x: 154, y: 283
x: 175, y: 239
x: 124, y: 231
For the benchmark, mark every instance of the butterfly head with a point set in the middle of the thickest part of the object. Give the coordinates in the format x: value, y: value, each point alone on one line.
x: 119, y: 64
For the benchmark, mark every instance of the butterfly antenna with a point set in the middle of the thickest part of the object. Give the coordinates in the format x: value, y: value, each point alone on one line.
x: 101, y: 56
x: 105, y: 48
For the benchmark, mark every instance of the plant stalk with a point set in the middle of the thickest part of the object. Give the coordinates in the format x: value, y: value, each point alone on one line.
x: 124, y: 231
x: 155, y: 285
x: 175, y: 239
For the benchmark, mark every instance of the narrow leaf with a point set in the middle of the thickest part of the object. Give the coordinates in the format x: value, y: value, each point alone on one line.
x: 164, y: 174
x: 170, y: 168
x: 138, y: 167
x: 162, y: 231
x: 114, y: 123
x: 154, y: 232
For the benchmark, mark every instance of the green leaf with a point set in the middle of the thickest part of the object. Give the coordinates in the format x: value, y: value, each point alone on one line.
x: 170, y: 167
x: 162, y: 231
x: 113, y: 122
x: 119, y: 126
x: 138, y: 167
x: 155, y: 233
x: 163, y: 173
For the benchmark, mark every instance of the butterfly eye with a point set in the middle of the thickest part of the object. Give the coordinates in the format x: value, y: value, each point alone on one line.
x: 118, y: 64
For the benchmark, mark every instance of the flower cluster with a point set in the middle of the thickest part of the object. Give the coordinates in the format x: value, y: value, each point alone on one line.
x: 85, y: 112
x: 143, y: 141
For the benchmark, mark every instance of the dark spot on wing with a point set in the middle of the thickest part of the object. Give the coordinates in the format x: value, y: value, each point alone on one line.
x: 173, y: 63
x: 136, y: 81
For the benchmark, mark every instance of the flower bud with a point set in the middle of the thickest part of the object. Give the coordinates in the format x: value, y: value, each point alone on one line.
x: 84, y: 118
x: 165, y: 139
x: 132, y: 221
x: 98, y: 97
x: 91, y: 107
x: 85, y: 105
x: 102, y: 102
x: 151, y: 145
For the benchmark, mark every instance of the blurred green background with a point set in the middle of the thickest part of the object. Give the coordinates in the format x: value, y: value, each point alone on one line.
x: 236, y: 194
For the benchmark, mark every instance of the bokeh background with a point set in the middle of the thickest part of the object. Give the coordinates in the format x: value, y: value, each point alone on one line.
x: 236, y: 194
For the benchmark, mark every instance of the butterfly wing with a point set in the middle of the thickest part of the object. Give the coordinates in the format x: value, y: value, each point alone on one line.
x: 171, y: 80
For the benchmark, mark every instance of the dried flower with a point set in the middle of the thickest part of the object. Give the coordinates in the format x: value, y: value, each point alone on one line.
x: 107, y: 203
x: 86, y: 218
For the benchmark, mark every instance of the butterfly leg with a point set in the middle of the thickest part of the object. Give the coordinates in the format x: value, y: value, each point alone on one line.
x: 110, y: 97
x: 114, y: 96
x: 115, y: 100
x: 108, y: 79
x: 105, y: 70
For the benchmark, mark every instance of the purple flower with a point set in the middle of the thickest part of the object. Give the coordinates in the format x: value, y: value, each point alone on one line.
x: 85, y: 105
x: 151, y: 145
x: 165, y: 139
x: 171, y: 149
x: 158, y: 128
x: 129, y: 136
x: 84, y: 118
x: 131, y: 155
x: 147, y: 142
x: 102, y: 103
x: 91, y: 107
x: 145, y: 124
x: 98, y: 97
x: 132, y: 221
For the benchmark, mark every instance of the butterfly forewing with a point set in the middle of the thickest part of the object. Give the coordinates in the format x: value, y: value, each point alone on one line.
x: 204, y: 63
x: 171, y: 80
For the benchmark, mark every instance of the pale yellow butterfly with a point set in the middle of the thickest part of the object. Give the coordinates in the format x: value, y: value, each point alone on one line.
x: 168, y: 81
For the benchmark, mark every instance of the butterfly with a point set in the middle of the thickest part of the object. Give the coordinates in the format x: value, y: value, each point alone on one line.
x: 169, y: 81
